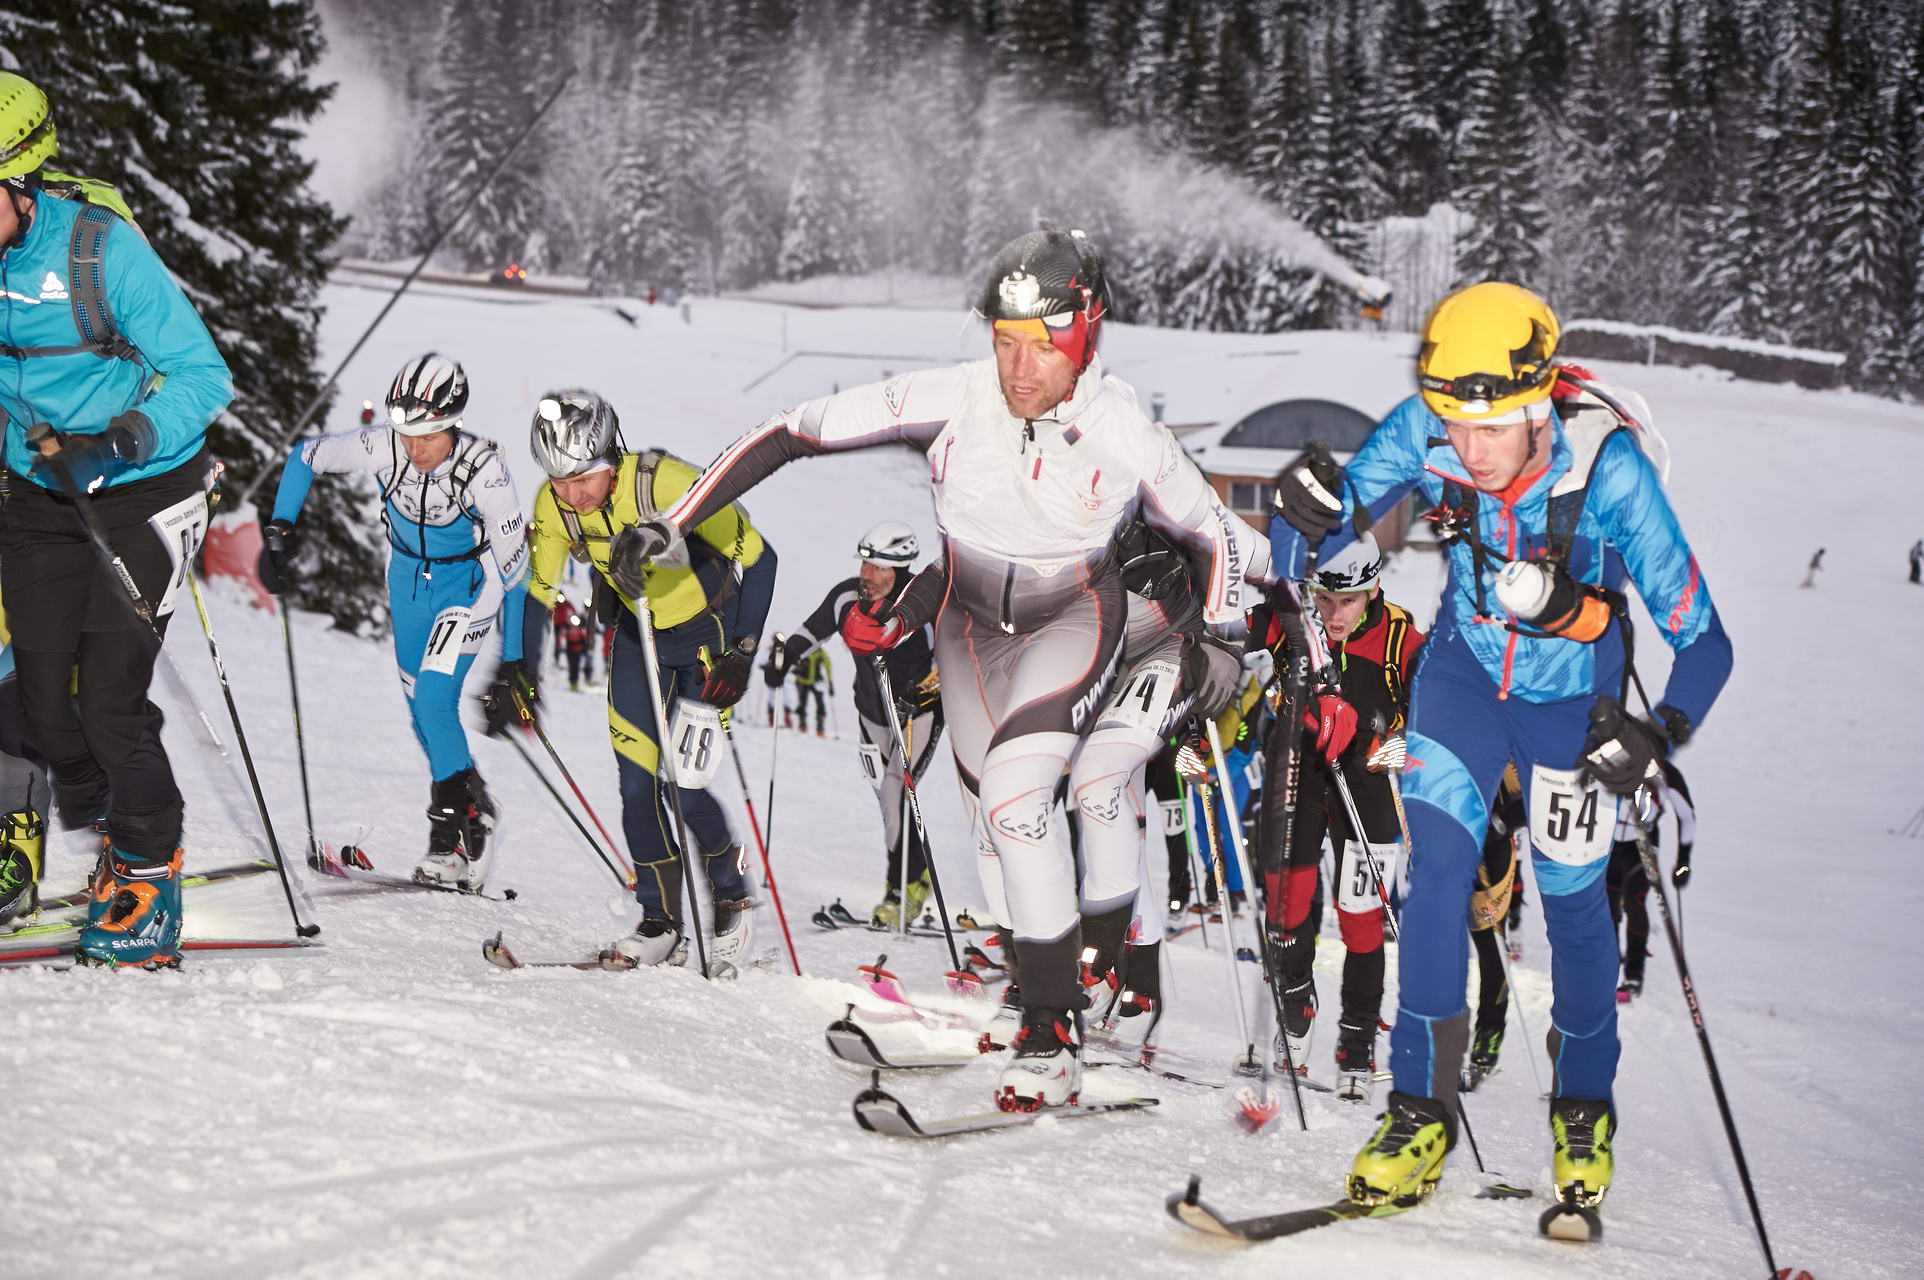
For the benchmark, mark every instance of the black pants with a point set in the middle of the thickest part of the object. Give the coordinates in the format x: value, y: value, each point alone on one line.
x: 1628, y: 887
x: 802, y: 693
x: 68, y: 611
x: 1493, y: 986
x: 579, y: 660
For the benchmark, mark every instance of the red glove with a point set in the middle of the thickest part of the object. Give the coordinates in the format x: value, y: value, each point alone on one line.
x: 1334, y: 722
x: 864, y: 635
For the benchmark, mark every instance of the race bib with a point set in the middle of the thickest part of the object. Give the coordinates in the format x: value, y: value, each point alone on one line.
x: 696, y: 735
x: 1358, y: 891
x: 872, y: 767
x: 1142, y: 702
x: 1569, y: 823
x: 180, y: 529
x: 445, y: 640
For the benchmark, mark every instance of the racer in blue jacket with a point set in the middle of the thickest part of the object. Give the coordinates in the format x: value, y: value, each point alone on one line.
x: 108, y: 381
x: 1547, y: 503
x: 457, y: 555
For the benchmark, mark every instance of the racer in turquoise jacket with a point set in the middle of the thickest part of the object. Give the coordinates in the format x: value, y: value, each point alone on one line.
x: 1547, y: 503
x: 108, y: 381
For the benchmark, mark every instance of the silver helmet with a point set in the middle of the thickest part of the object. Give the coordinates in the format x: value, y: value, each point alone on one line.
x: 890, y: 544
x: 1354, y: 568
x: 427, y: 396
x: 575, y: 432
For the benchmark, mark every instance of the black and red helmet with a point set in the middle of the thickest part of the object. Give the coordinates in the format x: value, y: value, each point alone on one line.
x: 1055, y: 280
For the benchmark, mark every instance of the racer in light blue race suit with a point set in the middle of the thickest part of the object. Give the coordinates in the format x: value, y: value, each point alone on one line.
x: 1486, y: 692
x: 457, y: 555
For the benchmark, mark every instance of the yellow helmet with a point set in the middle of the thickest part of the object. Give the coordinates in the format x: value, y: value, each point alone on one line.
x: 1487, y: 350
x: 26, y: 126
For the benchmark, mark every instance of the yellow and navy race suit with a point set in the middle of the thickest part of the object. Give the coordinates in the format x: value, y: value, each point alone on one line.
x: 711, y: 591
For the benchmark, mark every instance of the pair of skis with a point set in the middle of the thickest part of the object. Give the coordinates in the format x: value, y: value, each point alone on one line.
x: 1562, y: 1221
x: 355, y: 867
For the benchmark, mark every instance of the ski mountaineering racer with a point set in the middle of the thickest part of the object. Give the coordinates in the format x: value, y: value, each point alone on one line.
x: 1374, y: 643
x: 1547, y: 503
x: 108, y: 381
x: 885, y: 557
x: 456, y: 556
x: 1036, y: 458
x: 707, y: 603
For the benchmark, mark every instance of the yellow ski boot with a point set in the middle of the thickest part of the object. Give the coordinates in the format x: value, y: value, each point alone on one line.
x: 1402, y: 1163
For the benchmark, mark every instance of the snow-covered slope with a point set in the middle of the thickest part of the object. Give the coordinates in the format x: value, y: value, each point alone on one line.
x: 392, y: 1106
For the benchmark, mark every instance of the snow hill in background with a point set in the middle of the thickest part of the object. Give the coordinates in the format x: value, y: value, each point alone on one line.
x: 392, y: 1106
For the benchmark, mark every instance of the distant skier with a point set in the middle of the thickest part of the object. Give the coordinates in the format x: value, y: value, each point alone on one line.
x: 1629, y: 885
x: 456, y: 557
x: 814, y: 678
x: 1036, y: 458
x: 1547, y: 504
x: 1816, y: 563
x: 707, y: 602
x: 884, y: 559
x: 1917, y: 560
x: 575, y: 638
x: 1375, y: 644
x: 774, y: 671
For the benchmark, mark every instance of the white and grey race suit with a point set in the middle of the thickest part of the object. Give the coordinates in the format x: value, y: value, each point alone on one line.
x: 1030, y: 635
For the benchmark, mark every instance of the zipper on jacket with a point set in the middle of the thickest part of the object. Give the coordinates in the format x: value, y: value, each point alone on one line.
x: 1008, y: 595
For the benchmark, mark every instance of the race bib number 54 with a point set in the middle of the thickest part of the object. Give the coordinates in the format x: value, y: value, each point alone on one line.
x: 1569, y: 823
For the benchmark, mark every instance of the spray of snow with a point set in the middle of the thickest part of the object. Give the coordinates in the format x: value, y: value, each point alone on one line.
x: 356, y: 138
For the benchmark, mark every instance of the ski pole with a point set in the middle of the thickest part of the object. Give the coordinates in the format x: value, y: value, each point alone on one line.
x: 247, y: 757
x: 1649, y: 858
x: 1288, y: 762
x: 1469, y: 1133
x: 533, y: 724
x: 902, y: 843
x: 1362, y: 842
x: 1235, y: 824
x: 300, y: 737
x: 1199, y: 771
x: 326, y: 389
x: 621, y: 877
x: 768, y: 870
x: 915, y: 806
x: 1516, y: 1002
x: 665, y: 760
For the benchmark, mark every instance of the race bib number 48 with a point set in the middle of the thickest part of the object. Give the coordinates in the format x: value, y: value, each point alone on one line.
x: 1569, y: 823
x: 695, y: 740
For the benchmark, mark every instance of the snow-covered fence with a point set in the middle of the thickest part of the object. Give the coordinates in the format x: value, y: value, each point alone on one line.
x: 1656, y: 344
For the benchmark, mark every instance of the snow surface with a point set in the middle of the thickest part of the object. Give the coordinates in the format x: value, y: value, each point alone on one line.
x: 393, y: 1106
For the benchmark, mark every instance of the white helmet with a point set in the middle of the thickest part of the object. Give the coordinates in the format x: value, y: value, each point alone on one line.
x: 1355, y: 568
x: 427, y: 396
x: 890, y: 544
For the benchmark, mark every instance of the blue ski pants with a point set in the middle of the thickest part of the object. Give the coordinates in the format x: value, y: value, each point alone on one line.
x: 441, y: 618
x: 1461, y: 735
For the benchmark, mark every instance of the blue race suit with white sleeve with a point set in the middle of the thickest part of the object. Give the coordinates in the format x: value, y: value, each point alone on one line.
x: 442, y: 525
x: 1486, y: 692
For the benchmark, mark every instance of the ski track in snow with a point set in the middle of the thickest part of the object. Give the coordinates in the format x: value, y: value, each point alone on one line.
x: 391, y: 1105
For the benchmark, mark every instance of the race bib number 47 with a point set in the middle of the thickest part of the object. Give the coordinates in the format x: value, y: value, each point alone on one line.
x: 1569, y: 823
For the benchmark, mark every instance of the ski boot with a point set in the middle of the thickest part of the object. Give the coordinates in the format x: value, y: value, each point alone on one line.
x: 23, y: 842
x: 460, y: 834
x: 1299, y: 1020
x: 655, y: 941
x: 889, y: 913
x: 729, y: 941
x: 1140, y: 1001
x: 1483, y: 1050
x: 1355, y: 1062
x: 1046, y: 1070
x: 1583, y: 1129
x: 140, y: 923
x: 1403, y: 1161
x: 1629, y: 989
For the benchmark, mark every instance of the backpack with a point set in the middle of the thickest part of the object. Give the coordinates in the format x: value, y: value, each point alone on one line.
x: 93, y: 317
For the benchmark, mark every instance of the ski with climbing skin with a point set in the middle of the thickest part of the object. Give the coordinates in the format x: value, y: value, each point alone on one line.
x: 1188, y: 1208
x: 355, y: 867
x: 851, y: 1042
x: 881, y: 1112
x: 70, y: 908
x: 61, y: 956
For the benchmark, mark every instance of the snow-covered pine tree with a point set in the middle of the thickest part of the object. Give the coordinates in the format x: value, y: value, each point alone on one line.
x: 1496, y: 174
x: 817, y: 230
x: 193, y: 111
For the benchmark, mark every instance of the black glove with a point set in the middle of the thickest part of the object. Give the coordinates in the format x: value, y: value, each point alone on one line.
x: 1680, y: 874
x: 1623, y: 753
x: 128, y: 437
x: 632, y: 549
x: 1212, y: 669
x: 727, y: 676
x: 1309, y: 494
x: 279, y: 541
x: 498, y: 703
